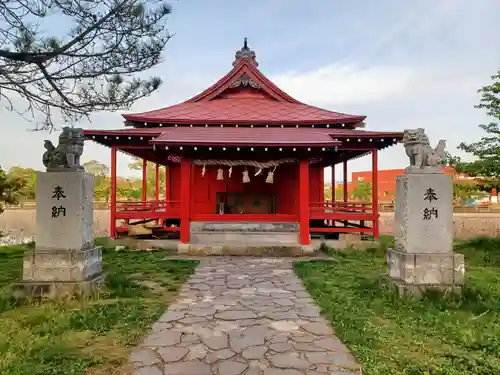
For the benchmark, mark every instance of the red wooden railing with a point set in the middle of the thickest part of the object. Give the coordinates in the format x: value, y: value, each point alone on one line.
x: 145, y: 210
x: 158, y: 209
x: 349, y: 216
x: 348, y: 213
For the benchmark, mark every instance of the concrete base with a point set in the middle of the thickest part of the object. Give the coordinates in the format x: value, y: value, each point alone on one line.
x: 416, y: 272
x: 352, y: 241
x: 244, y: 234
x: 60, y: 289
x: 417, y: 290
x: 262, y: 250
x: 53, y: 273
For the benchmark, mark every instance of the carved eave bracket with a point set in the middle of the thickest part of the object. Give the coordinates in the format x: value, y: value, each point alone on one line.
x: 245, y: 81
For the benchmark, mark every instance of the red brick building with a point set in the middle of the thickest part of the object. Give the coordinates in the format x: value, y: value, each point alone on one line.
x: 387, y: 181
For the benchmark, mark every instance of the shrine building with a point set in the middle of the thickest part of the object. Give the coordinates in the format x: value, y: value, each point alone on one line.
x: 244, y: 158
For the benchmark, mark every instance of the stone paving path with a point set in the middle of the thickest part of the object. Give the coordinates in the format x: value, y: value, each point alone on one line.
x: 240, y: 316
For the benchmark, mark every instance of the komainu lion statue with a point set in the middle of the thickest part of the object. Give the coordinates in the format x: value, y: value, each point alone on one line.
x: 67, y: 153
x: 420, y: 152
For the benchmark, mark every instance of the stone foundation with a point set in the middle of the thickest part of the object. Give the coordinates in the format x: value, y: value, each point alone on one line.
x: 60, y: 289
x: 55, y: 273
x: 292, y: 250
x: 417, y: 272
x: 244, y: 234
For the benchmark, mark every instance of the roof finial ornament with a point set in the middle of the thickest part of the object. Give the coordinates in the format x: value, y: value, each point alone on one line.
x: 245, y: 53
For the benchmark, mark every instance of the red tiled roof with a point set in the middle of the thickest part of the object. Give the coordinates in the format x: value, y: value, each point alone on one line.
x: 246, y: 136
x: 243, y: 111
x: 266, y: 104
x: 257, y: 135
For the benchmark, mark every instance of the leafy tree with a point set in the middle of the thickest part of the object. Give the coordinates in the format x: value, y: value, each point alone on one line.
x: 102, y: 183
x: 27, y: 178
x: 339, y: 193
x: 9, y: 189
x: 136, y: 165
x: 96, y: 168
x: 362, y: 191
x: 328, y: 192
x: 462, y: 192
x: 87, y: 67
x: 486, y: 166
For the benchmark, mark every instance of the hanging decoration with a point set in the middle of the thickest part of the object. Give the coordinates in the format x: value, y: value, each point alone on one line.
x: 246, y: 163
x: 259, y: 167
x: 270, y: 176
x: 233, y: 163
x: 203, y: 170
x: 246, y: 179
x: 220, y: 174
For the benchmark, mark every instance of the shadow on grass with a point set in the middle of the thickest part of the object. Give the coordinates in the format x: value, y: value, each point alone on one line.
x: 436, y: 334
x: 68, y: 337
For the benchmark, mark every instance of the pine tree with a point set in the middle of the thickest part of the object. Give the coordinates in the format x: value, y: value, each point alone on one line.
x: 70, y: 58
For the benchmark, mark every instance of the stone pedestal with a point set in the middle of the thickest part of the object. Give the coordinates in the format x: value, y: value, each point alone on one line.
x: 65, y: 260
x: 423, y: 257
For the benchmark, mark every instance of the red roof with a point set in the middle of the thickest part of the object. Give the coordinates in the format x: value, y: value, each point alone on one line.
x: 244, y: 96
x: 246, y: 136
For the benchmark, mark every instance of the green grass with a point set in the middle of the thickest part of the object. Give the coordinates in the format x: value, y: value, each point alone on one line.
x: 406, y: 336
x: 86, y: 336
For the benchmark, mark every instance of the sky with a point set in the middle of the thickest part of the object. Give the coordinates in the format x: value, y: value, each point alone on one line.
x: 403, y: 64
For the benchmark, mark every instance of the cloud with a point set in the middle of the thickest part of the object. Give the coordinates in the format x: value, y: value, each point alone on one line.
x: 437, y: 96
x: 341, y: 84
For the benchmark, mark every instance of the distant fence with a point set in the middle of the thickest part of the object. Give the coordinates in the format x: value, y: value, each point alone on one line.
x: 383, y: 207
x: 483, y: 208
x: 31, y: 205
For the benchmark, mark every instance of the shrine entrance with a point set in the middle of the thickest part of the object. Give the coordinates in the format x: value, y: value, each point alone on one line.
x: 245, y: 165
x: 245, y: 203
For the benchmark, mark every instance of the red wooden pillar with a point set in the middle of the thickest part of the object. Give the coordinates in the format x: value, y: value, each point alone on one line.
x: 144, y: 180
x: 157, y: 182
x: 112, y: 213
x: 332, y: 206
x: 185, y: 199
x: 346, y: 195
x: 157, y: 187
x: 305, y: 236
x: 322, y: 184
x: 375, y: 193
x: 167, y: 185
x: 333, y: 182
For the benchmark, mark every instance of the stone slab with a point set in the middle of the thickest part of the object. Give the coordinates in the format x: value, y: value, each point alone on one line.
x: 261, y: 250
x: 239, y: 238
x: 64, y: 210
x: 426, y: 269
x: 202, y: 226
x: 424, y: 213
x: 245, y: 316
